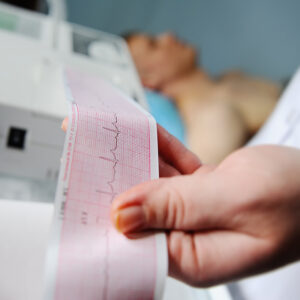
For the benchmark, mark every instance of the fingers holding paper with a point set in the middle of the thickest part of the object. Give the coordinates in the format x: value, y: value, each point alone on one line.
x: 174, y: 157
x: 223, y: 222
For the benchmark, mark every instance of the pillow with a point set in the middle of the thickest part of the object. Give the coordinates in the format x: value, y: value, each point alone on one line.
x: 166, y: 114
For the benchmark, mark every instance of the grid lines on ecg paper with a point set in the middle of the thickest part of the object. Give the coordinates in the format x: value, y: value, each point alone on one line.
x: 111, y: 154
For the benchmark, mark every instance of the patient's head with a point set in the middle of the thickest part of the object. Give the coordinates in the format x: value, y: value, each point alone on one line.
x: 161, y: 58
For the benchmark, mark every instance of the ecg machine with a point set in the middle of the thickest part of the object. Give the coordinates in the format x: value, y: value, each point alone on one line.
x: 34, y: 51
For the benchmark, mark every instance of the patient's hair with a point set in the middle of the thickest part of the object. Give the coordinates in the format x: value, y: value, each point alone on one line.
x: 127, y: 35
x: 29, y: 4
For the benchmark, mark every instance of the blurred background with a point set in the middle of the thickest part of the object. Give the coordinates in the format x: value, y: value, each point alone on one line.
x: 260, y: 37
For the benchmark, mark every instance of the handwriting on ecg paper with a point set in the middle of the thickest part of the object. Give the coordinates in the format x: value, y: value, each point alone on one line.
x: 108, y: 151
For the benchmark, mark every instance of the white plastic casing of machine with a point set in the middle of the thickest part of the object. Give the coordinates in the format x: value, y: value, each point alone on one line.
x: 35, y: 49
x: 32, y: 107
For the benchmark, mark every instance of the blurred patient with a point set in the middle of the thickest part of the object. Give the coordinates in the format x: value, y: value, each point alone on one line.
x: 220, y: 114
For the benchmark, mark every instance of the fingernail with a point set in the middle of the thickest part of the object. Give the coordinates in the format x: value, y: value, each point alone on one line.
x: 130, y: 219
x: 64, y: 124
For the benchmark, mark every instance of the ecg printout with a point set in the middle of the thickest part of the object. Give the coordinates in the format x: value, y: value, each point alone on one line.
x: 110, y: 146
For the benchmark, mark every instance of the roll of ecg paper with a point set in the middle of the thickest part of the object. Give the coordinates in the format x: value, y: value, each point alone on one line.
x: 110, y: 146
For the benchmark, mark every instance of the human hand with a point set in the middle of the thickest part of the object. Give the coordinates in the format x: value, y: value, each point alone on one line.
x: 223, y: 222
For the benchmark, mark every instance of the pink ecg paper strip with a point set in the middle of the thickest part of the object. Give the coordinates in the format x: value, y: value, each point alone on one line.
x: 110, y: 146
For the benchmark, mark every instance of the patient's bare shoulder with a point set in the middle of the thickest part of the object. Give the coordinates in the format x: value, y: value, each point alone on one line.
x: 254, y: 97
x: 232, y: 75
x: 239, y: 81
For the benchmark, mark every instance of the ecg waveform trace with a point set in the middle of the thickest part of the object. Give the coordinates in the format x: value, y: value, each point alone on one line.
x: 113, y: 150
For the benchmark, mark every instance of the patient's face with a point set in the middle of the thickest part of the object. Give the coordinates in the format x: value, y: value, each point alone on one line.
x: 161, y: 59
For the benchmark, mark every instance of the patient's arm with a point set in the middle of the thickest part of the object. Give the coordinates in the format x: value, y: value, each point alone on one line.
x: 215, y: 130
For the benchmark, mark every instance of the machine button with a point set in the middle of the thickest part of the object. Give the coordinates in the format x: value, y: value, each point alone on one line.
x: 16, y: 138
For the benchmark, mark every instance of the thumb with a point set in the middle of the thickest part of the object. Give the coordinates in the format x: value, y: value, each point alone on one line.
x: 186, y: 202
